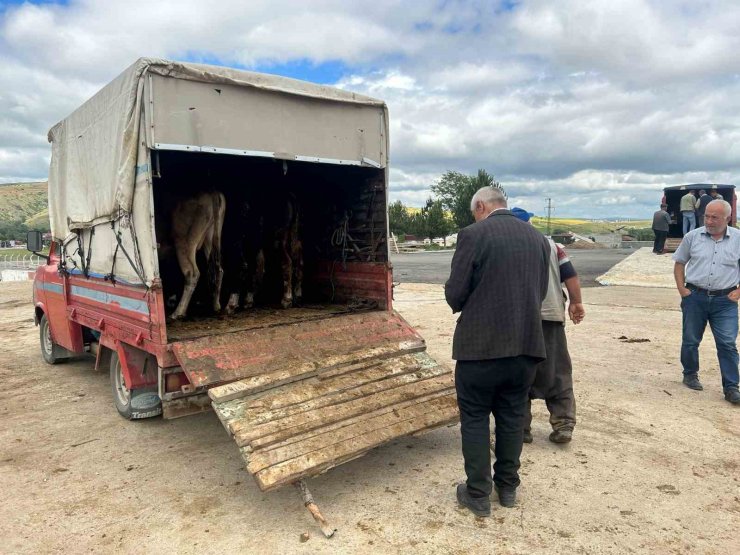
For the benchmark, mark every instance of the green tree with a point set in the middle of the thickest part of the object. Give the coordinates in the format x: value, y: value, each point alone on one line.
x: 432, y: 221
x: 399, y: 219
x: 455, y: 190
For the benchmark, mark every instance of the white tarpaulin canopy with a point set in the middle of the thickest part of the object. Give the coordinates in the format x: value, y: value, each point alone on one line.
x: 100, y: 179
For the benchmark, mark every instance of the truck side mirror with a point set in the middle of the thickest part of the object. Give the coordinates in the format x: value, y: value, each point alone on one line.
x: 34, y: 241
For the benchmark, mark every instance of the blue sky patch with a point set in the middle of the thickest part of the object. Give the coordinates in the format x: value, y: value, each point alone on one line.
x: 323, y: 73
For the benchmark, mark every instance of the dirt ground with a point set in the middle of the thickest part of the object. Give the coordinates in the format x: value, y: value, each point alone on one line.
x: 653, y: 467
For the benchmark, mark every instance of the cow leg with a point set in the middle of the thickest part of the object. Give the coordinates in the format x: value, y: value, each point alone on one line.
x: 257, y: 275
x: 189, y: 267
x: 286, y: 266
x: 297, y: 254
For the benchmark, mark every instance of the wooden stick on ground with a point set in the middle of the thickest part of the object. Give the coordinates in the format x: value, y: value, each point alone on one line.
x: 313, y: 509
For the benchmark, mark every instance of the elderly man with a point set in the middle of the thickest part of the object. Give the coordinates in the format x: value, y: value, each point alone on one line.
x: 554, y: 376
x: 498, y: 280
x: 707, y: 276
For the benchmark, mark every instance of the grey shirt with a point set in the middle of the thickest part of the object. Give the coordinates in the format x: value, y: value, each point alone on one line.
x: 661, y: 220
x: 710, y: 264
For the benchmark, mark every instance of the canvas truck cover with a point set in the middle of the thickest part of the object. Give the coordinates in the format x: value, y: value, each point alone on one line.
x: 100, y: 180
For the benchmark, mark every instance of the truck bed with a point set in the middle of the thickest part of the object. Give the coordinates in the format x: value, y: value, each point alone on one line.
x: 257, y: 318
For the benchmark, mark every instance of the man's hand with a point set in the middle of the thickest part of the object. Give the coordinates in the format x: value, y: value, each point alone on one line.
x: 576, y: 312
x: 684, y: 291
x: 734, y: 295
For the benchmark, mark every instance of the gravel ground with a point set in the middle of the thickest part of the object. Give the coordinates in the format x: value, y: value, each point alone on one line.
x: 653, y: 467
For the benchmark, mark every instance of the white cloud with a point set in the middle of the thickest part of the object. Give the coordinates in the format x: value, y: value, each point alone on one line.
x: 598, y: 105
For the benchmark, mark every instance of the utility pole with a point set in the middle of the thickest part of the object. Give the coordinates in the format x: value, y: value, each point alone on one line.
x: 549, y: 213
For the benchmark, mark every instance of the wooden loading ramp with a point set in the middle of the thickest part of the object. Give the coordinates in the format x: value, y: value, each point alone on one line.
x: 294, y: 425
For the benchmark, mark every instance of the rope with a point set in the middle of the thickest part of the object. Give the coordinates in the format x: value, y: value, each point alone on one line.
x: 339, y: 238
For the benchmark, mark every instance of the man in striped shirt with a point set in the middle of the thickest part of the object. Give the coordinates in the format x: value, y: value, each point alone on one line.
x: 554, y: 376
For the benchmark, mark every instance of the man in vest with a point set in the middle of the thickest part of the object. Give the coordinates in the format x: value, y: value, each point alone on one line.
x: 554, y: 376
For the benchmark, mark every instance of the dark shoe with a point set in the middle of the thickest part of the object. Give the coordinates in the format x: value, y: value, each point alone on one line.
x: 561, y: 436
x: 479, y: 506
x: 733, y: 396
x: 692, y: 382
x: 527, y: 437
x: 506, y: 496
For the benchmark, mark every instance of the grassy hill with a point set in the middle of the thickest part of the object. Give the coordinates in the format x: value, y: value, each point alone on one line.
x: 24, y: 202
x: 586, y: 227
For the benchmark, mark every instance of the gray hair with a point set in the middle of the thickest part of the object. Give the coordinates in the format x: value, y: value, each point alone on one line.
x: 488, y: 195
x: 725, y: 205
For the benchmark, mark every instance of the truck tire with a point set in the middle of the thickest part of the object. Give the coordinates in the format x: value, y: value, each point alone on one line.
x: 133, y: 404
x: 51, y: 352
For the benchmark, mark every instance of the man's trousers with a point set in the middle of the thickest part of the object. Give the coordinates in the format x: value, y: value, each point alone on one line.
x: 554, y: 381
x: 659, y: 242
x: 499, y: 387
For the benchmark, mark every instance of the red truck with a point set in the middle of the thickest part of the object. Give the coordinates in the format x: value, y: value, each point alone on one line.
x: 300, y: 389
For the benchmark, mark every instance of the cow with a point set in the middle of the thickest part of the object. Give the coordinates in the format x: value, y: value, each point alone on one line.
x: 264, y: 233
x: 197, y: 223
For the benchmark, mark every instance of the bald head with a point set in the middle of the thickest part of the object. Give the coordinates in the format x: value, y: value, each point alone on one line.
x: 485, y: 200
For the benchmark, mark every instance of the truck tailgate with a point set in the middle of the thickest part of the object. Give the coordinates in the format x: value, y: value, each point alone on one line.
x: 280, y: 353
x: 316, y: 394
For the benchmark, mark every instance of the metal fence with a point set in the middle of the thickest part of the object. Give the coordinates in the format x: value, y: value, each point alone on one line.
x: 20, y: 261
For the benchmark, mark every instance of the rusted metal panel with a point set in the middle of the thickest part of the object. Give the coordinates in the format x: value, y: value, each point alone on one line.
x: 185, y: 406
x: 301, y: 347
x: 353, y: 280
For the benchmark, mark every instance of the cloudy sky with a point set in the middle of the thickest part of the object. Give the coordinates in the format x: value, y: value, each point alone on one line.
x: 597, y: 104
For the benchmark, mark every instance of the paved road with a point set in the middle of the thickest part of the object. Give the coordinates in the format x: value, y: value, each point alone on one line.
x: 434, y: 267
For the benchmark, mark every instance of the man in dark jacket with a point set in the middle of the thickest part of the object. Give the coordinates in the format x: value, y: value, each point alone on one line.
x: 701, y: 206
x: 498, y: 281
x: 661, y: 222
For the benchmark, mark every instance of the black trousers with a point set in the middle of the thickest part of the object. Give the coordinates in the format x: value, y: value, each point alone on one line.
x: 498, y: 386
x: 659, y: 243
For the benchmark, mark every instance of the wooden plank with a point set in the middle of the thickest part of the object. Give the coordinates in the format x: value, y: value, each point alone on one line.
x: 339, y: 381
x: 244, y: 434
x: 257, y: 416
x: 308, y: 369
x: 264, y: 458
x: 233, y: 409
x: 401, y: 387
x: 332, y: 455
x: 282, y: 438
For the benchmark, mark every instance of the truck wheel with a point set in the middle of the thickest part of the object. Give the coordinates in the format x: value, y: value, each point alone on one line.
x: 132, y: 404
x: 51, y: 352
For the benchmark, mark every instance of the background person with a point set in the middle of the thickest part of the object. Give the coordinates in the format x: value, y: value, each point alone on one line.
x: 554, y: 376
x: 707, y: 275
x: 701, y: 206
x: 498, y: 281
x: 661, y: 223
x: 688, y: 208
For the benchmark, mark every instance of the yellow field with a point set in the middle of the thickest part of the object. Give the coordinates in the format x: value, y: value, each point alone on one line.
x: 587, y: 227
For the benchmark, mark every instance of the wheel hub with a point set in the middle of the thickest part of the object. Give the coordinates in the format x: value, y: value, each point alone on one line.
x: 124, y: 395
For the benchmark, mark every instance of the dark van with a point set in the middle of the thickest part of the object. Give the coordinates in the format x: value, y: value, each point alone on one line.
x: 672, y: 197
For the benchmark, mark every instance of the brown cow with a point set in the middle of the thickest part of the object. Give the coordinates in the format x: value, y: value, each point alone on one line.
x: 264, y: 232
x: 197, y: 223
